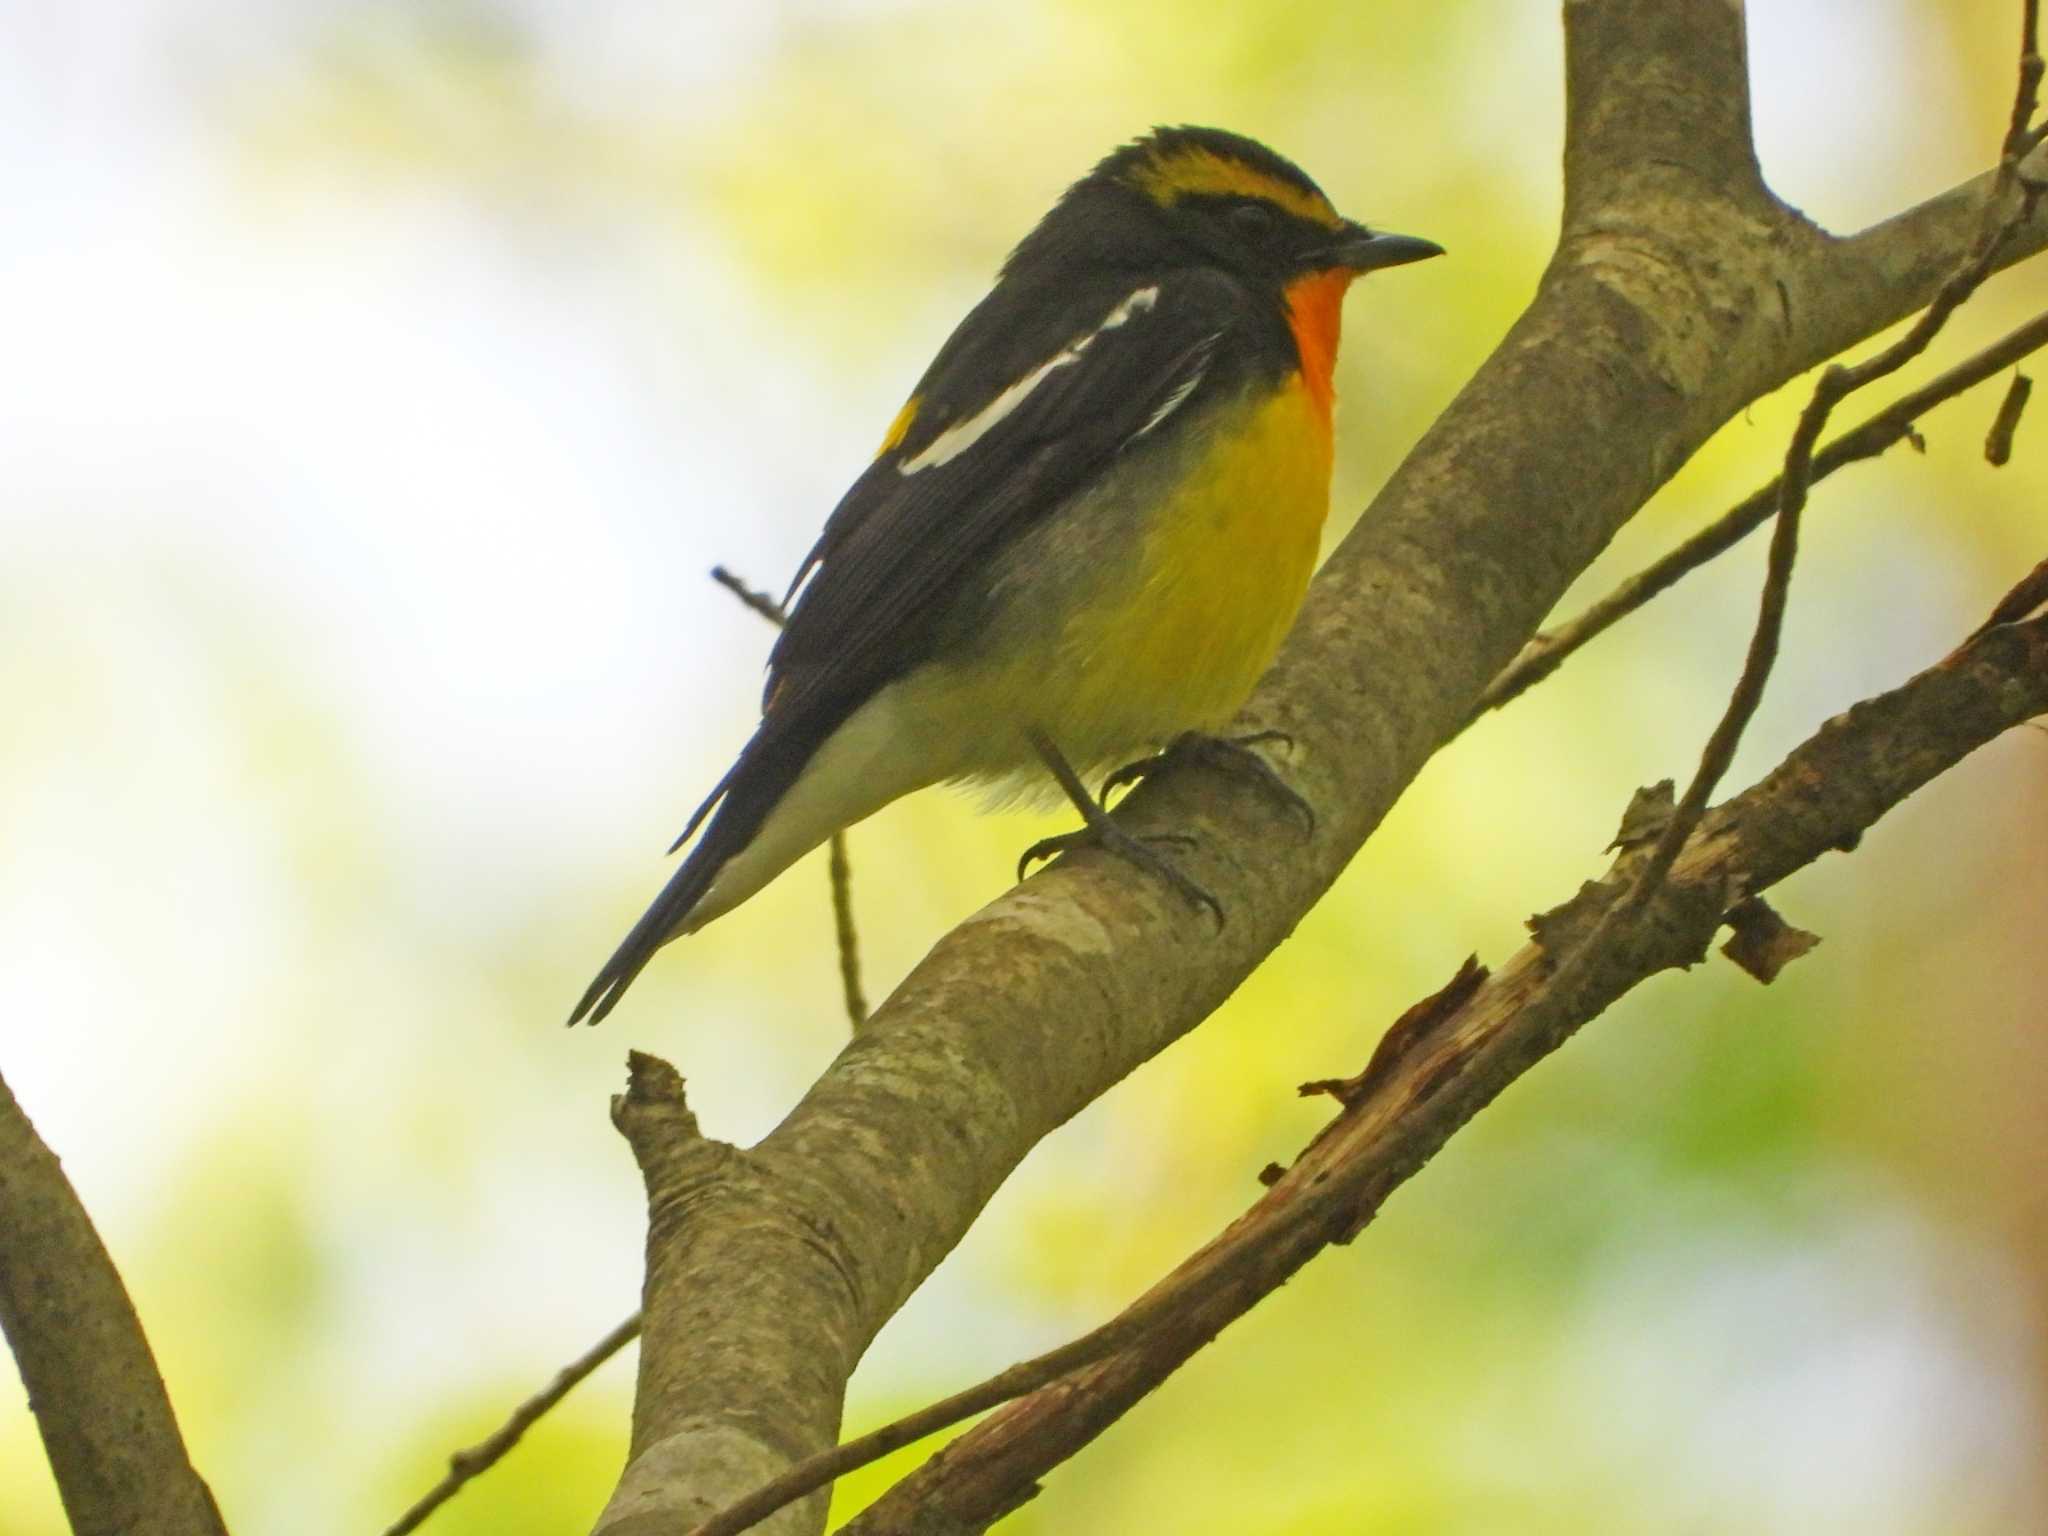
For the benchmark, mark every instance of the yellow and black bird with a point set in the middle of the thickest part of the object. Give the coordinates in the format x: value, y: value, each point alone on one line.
x: 1084, y: 535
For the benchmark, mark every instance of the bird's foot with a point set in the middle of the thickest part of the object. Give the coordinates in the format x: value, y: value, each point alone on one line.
x: 1227, y: 754
x: 1101, y: 832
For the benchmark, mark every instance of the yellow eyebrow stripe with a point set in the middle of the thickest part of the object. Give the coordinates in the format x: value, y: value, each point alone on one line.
x: 900, y: 427
x: 1193, y: 171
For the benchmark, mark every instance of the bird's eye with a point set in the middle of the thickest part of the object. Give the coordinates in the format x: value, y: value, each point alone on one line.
x: 1253, y: 221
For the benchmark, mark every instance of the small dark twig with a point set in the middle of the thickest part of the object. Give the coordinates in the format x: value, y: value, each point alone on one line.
x: 841, y: 865
x: 1763, y: 641
x: 1998, y: 441
x: 760, y: 602
x: 486, y: 1453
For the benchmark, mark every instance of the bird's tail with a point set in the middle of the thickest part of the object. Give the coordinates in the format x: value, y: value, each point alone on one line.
x: 757, y: 782
x: 657, y: 925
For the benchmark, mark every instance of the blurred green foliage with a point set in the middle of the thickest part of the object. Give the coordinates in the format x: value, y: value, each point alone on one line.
x: 1738, y: 1260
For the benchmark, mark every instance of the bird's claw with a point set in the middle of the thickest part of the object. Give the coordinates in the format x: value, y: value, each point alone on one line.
x: 1132, y: 848
x: 1228, y: 754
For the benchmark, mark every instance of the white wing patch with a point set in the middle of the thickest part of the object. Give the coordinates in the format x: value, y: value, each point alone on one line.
x: 1174, y: 401
x: 961, y: 436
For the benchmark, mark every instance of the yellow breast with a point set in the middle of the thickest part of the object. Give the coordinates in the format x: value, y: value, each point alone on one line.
x: 1225, y: 561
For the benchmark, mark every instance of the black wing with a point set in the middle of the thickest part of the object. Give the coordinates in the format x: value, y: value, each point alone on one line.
x: 896, y: 546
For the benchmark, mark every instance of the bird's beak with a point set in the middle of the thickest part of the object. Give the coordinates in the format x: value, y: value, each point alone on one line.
x: 1364, y: 250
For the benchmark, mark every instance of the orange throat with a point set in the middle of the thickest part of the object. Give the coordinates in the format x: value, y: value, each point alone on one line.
x: 1315, y: 313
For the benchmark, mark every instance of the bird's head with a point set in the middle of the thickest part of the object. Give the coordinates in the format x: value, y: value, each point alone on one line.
x: 1200, y: 196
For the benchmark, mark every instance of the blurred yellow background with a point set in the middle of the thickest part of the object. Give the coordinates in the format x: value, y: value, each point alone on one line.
x: 377, y: 384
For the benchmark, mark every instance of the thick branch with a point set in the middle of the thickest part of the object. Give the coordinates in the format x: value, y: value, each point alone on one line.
x: 1656, y: 105
x: 105, y: 1418
x: 1651, y: 327
x: 721, y: 1401
x: 1402, y: 1110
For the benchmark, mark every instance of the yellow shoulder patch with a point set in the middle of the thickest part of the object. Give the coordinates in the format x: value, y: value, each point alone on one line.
x: 1178, y: 173
x: 900, y: 427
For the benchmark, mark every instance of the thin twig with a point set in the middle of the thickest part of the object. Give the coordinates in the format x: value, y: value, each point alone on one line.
x: 1027, y: 1376
x: 760, y: 602
x: 1998, y: 441
x: 1763, y: 644
x: 841, y: 864
x: 842, y: 927
x: 486, y: 1453
x: 1544, y: 654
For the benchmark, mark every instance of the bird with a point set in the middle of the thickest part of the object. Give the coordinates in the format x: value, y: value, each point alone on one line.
x: 1084, y: 535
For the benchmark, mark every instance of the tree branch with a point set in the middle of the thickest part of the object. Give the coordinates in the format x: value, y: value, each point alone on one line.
x: 695, y: 1364
x: 1453, y: 1054
x: 99, y: 1401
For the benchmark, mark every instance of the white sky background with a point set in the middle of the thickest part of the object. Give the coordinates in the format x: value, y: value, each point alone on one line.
x: 437, y: 476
